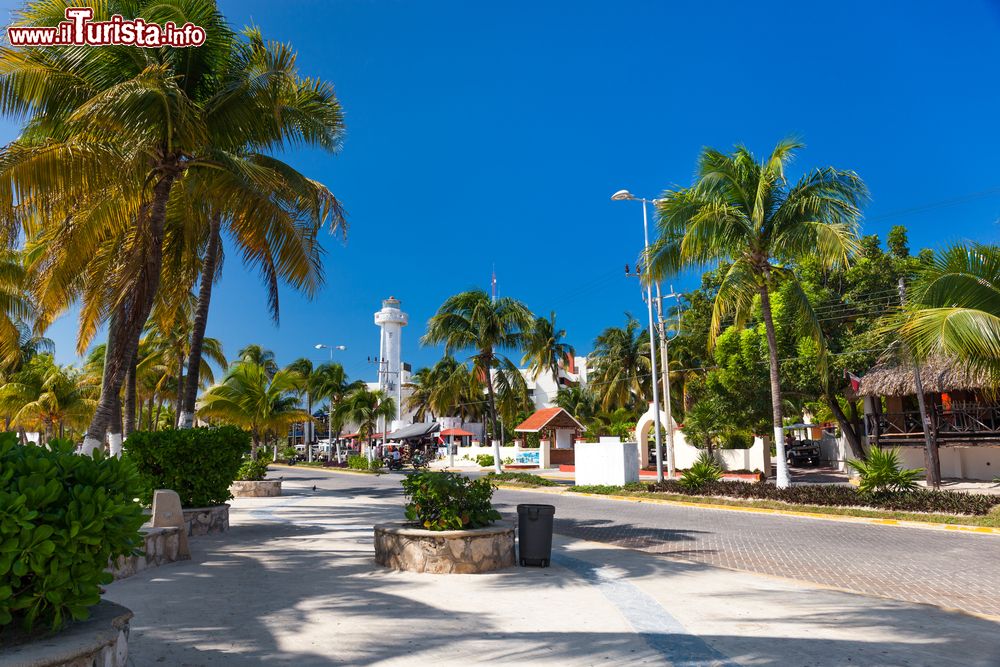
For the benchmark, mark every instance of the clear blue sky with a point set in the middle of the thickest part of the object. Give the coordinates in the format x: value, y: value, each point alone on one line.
x: 484, y: 133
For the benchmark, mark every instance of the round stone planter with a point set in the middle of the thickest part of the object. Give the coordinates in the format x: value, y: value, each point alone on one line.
x: 100, y: 640
x: 265, y: 488
x: 403, y: 546
x: 206, y: 520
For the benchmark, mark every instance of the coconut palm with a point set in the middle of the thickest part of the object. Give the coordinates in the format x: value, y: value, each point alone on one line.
x: 367, y: 409
x: 260, y: 355
x: 475, y: 322
x: 621, y: 366
x: 746, y: 213
x: 49, y: 398
x: 111, y: 131
x: 578, y: 401
x: 544, y: 349
x: 954, y: 309
x: 330, y: 382
x: 252, y: 398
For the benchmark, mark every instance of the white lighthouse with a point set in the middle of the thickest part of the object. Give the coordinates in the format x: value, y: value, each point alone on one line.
x: 391, y: 321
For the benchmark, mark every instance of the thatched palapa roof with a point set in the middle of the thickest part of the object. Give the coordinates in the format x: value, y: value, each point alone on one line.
x: 938, y: 376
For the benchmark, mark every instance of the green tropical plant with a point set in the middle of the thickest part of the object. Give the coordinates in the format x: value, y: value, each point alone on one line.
x: 484, y: 460
x: 449, y: 501
x: 883, y: 473
x: 248, y: 397
x: 621, y: 366
x: 544, y: 348
x: 954, y: 309
x: 746, y: 213
x: 579, y: 401
x: 46, y: 397
x: 199, y: 464
x: 473, y: 321
x: 367, y: 409
x: 704, y: 470
x: 252, y: 470
x: 63, y: 517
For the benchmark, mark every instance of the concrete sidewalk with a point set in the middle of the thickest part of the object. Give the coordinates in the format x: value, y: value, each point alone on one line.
x: 294, y: 583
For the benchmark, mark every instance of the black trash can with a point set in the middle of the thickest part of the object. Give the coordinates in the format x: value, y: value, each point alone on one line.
x: 534, y: 534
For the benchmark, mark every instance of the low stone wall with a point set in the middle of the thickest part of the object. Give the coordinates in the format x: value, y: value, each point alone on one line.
x: 402, y: 546
x: 101, y: 641
x: 161, y: 545
x: 206, y: 520
x: 265, y: 488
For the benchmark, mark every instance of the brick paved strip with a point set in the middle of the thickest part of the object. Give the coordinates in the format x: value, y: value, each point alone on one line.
x: 948, y: 569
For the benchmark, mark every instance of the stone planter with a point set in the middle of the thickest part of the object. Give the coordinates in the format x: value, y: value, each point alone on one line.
x: 206, y: 520
x: 100, y: 640
x: 402, y: 546
x: 265, y: 488
x: 160, y: 546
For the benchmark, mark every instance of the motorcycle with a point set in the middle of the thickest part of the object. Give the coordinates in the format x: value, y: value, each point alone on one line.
x: 392, y: 464
x: 419, y: 461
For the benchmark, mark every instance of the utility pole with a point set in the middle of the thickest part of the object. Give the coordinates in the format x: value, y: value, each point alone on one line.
x: 932, y: 462
x: 665, y: 370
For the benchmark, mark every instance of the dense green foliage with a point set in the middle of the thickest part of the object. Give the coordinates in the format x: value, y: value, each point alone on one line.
x: 252, y: 470
x: 920, y: 500
x: 520, y: 479
x: 449, y: 501
x: 62, y: 517
x: 485, y: 460
x: 361, y: 462
x: 883, y: 473
x: 199, y: 464
x: 703, y: 471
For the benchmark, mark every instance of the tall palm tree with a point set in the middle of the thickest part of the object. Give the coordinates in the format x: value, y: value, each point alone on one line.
x: 746, y: 213
x: 260, y: 355
x: 578, y: 401
x: 305, y: 386
x: 110, y: 133
x: 366, y: 408
x: 251, y: 398
x: 544, y: 349
x: 954, y: 309
x: 475, y: 322
x: 47, y: 397
x: 621, y: 366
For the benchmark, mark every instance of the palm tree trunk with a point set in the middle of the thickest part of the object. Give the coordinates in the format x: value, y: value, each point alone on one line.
x: 130, y: 392
x: 180, y: 391
x: 783, y: 481
x: 115, y: 429
x: 208, y: 267
x: 133, y: 310
x: 156, y: 419
x: 149, y: 412
x: 847, y: 427
x: 493, y: 418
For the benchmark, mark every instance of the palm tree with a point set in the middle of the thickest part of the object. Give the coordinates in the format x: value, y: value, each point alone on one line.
x: 366, y: 408
x: 473, y: 321
x: 257, y: 354
x: 330, y: 381
x: 251, y: 398
x: 746, y: 213
x: 579, y: 402
x: 111, y: 131
x: 44, y: 396
x: 544, y: 349
x: 621, y: 375
x: 954, y: 309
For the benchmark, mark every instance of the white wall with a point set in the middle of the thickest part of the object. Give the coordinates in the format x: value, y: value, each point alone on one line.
x: 614, y: 463
x: 977, y: 462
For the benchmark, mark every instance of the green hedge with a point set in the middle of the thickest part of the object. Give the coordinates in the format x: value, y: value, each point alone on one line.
x: 62, y: 518
x: 198, y: 463
x: 449, y: 501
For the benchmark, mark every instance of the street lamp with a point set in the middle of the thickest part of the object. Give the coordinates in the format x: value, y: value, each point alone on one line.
x: 625, y: 195
x: 329, y: 410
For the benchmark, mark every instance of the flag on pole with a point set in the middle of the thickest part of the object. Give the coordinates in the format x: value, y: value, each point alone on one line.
x: 855, y: 380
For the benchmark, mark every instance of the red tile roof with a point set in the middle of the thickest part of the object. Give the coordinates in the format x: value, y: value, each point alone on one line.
x: 548, y: 417
x: 456, y: 431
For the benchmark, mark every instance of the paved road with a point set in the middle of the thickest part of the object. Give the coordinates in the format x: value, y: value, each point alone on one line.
x: 293, y: 583
x: 951, y: 570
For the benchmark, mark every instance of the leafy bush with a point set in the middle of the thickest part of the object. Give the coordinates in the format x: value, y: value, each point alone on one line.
x: 920, y: 500
x: 251, y: 470
x: 485, y: 460
x: 882, y: 473
x: 361, y: 462
x: 198, y: 463
x: 287, y: 452
x: 449, y: 501
x: 522, y: 478
x: 703, y: 471
x: 62, y: 518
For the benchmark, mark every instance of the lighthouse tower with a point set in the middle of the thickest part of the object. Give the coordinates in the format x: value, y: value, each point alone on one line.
x: 391, y: 321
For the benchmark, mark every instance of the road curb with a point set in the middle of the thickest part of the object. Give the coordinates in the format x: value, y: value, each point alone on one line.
x: 952, y: 527
x: 346, y: 471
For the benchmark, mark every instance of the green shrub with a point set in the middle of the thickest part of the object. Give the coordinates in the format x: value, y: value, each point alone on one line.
x: 919, y: 500
x: 361, y: 462
x: 882, y: 474
x: 522, y: 478
x: 703, y: 471
x: 485, y: 460
x: 62, y: 518
x: 252, y: 471
x: 449, y: 501
x: 198, y: 463
x: 288, y: 452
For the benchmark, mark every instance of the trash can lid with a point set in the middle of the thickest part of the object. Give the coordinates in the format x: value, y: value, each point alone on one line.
x: 532, y: 507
